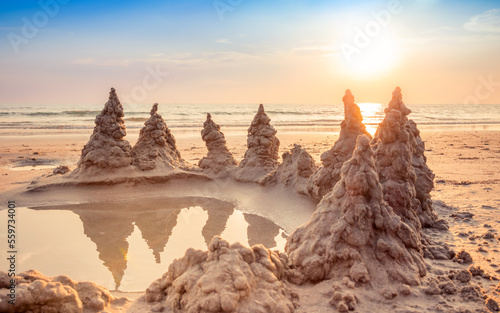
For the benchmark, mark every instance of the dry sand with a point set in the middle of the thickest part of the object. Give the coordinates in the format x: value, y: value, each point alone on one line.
x: 466, y: 164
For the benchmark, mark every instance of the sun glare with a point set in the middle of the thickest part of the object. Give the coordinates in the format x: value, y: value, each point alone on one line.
x: 373, y: 114
x: 378, y: 58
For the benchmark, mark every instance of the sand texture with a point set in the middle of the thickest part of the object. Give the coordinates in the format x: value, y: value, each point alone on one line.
x: 156, y: 145
x: 261, y: 156
x: 325, y: 178
x: 219, y: 161
x: 226, y: 278
x: 297, y: 166
x: 107, y: 148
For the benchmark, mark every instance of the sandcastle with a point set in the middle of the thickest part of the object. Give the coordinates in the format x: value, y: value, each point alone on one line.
x: 365, y: 235
x: 325, y: 178
x: 354, y: 233
x: 156, y: 145
x: 38, y: 293
x: 398, y: 147
x: 297, y: 166
x: 263, y: 146
x: 107, y: 148
x: 218, y: 160
x: 226, y: 278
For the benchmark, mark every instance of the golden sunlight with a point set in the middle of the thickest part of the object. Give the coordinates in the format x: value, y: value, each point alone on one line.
x: 373, y: 114
x: 378, y: 58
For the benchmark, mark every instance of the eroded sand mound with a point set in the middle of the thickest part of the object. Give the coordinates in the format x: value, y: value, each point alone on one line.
x: 261, y: 156
x: 156, y: 145
x: 38, y: 293
x: 298, y: 165
x: 325, y: 178
x: 107, y: 148
x: 227, y: 278
x: 354, y: 233
x: 218, y: 159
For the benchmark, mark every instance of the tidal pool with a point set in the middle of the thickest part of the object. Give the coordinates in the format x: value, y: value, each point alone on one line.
x: 126, y: 245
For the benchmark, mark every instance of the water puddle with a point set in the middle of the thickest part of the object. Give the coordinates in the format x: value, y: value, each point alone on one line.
x: 32, y: 167
x: 127, y: 245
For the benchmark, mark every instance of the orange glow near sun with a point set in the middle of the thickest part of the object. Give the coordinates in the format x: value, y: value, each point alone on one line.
x: 373, y: 114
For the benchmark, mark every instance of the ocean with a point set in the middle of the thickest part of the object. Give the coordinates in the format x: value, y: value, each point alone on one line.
x: 36, y: 119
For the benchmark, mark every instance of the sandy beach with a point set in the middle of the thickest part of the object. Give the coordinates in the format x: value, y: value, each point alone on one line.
x: 466, y: 164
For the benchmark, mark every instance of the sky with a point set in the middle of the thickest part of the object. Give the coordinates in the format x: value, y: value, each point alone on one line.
x: 249, y: 51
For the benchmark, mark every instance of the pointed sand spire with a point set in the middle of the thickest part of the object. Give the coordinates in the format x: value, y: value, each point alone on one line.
x: 404, y: 174
x: 218, y: 159
x: 156, y: 145
x: 325, y: 178
x: 106, y: 148
x: 261, y: 156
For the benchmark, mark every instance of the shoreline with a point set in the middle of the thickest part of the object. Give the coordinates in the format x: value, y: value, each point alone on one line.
x: 229, y: 130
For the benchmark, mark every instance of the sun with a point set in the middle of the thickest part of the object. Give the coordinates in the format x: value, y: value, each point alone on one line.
x: 378, y: 58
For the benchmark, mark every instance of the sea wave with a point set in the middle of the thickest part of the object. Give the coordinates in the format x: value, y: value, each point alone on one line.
x: 136, y: 119
x: 238, y: 125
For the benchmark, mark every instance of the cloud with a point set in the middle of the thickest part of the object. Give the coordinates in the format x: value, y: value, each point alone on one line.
x: 488, y: 21
x: 223, y: 40
x: 314, y: 50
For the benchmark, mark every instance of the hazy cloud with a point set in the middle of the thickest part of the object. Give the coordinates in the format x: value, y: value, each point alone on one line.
x: 488, y: 21
x: 223, y: 40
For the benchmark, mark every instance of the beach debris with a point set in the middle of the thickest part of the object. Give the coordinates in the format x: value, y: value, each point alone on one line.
x: 107, y: 148
x: 227, y: 278
x: 463, y: 276
x: 297, y: 166
x: 354, y: 233
x: 492, y: 305
x: 325, y: 178
x: 463, y: 257
x: 218, y: 160
x: 61, y: 170
x: 156, y: 145
x: 438, y: 251
x: 462, y: 215
x: 38, y: 293
x: 476, y: 270
x: 261, y: 156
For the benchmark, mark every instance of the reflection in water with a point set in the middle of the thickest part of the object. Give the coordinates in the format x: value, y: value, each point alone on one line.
x: 109, y: 233
x: 156, y: 227
x: 216, y: 222
x: 109, y: 226
x: 261, y: 231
